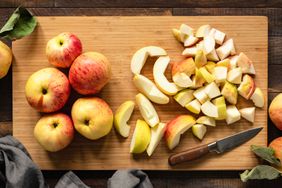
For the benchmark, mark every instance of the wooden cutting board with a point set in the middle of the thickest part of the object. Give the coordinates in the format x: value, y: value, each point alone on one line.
x: 118, y: 38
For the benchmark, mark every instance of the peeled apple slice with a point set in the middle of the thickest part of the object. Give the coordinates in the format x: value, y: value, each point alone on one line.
x: 157, y: 133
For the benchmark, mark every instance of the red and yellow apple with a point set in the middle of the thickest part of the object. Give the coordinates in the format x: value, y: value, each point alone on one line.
x: 276, y: 145
x: 275, y: 111
x: 5, y: 59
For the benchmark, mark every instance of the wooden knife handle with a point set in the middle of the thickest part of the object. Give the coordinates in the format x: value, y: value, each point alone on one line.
x: 188, y: 155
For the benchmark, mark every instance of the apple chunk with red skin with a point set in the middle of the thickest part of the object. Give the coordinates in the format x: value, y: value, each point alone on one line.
x: 89, y: 73
x: 47, y: 90
x: 54, y: 132
x: 247, y: 87
x: 62, y: 50
x: 92, y: 117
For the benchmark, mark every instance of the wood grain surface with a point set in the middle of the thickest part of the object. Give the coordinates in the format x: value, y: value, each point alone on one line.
x: 118, y: 38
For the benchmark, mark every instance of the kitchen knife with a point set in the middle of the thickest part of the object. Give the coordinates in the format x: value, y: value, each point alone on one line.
x: 218, y: 146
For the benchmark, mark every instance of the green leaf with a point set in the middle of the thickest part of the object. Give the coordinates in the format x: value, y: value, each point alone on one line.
x: 266, y: 153
x: 20, y: 24
x: 260, y: 172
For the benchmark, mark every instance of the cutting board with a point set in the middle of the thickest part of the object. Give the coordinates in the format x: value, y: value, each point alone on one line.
x: 118, y: 38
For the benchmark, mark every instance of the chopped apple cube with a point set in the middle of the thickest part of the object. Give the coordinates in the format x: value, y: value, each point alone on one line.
x: 209, y: 109
x: 224, y: 63
x: 226, y: 49
x: 184, y: 97
x: 233, y: 61
x: 201, y: 95
x: 210, y: 66
x: 247, y: 87
x: 217, y: 35
x: 220, y: 74
x: 206, y: 121
x: 190, y: 41
x: 185, y: 31
x: 229, y: 91
x: 232, y: 114
x: 209, y: 44
x: 198, y: 80
x: 246, y: 64
x: 234, y: 76
x: 258, y: 98
x: 176, y: 34
x: 199, y: 130
x: 212, y: 90
x: 212, y: 56
x: 248, y: 113
x: 190, y: 52
x: 194, y: 106
x: 221, y: 107
x: 206, y: 75
x: 200, y: 59
x: 181, y: 72
x: 203, y: 31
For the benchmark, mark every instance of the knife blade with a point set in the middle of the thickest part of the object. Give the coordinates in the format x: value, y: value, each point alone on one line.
x: 219, y: 146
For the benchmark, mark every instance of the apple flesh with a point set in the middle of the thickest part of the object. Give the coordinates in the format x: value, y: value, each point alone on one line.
x: 248, y: 113
x: 92, y: 117
x: 217, y: 35
x: 275, y: 111
x: 47, y: 90
x: 194, y: 106
x: 210, y: 66
x: 209, y: 109
x: 235, y: 75
x: 226, y: 49
x: 190, y: 41
x: 190, y: 52
x: 184, y: 97
x: 247, y: 87
x: 89, y: 73
x: 221, y: 107
x: 206, y: 121
x: 54, y: 132
x: 220, y: 74
x: 198, y: 79
x: 258, y: 98
x: 212, y: 90
x: 246, y: 64
x: 200, y: 59
x: 181, y: 72
x: 199, y: 130
x: 203, y: 31
x: 63, y: 49
x: 206, y: 75
x: 229, y: 91
x: 232, y: 114
x: 157, y: 133
x: 201, y: 95
x: 6, y: 57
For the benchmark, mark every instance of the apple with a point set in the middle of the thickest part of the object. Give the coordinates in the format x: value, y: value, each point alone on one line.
x: 199, y: 130
x: 258, y: 98
x: 226, y: 49
x: 176, y: 34
x: 92, y: 117
x: 198, y: 79
x: 89, y: 73
x: 221, y: 107
x: 194, y: 106
x: 141, y: 137
x: 212, y: 90
x: 217, y: 35
x: 54, y: 132
x: 210, y: 66
x: 184, y: 97
x: 206, y: 121
x: 190, y: 52
x: 246, y: 64
x: 147, y: 110
x: 212, y: 56
x: 139, y: 58
x: 235, y: 75
x: 201, y: 95
x: 248, y: 113
x: 206, y: 75
x: 47, y: 90
x: 186, y: 29
x: 275, y: 111
x: 233, y: 61
x: 157, y: 133
x: 161, y: 81
x: 200, y: 59
x: 220, y: 74
x: 181, y: 72
x: 232, y: 114
x: 176, y: 127
x: 247, y: 87
x: 229, y: 91
x: 63, y: 49
x: 6, y: 57
x: 190, y: 41
x: 276, y: 145
x: 209, y: 44
x: 224, y: 63
x: 149, y: 89
x: 203, y: 31
x: 209, y: 109
x: 122, y: 115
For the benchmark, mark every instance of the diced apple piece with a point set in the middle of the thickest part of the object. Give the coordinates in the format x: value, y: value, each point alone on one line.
x: 235, y: 75
x: 161, y: 81
x: 203, y: 31
x: 200, y: 45
x: 199, y: 130
x: 198, y: 80
x: 224, y: 63
x: 212, y: 90
x: 206, y: 121
x: 209, y: 109
x: 184, y: 97
x: 258, y: 98
x: 176, y: 34
x: 229, y: 91
x: 210, y: 66
x: 200, y: 59
x: 182, y: 80
x: 248, y: 113
x: 221, y: 107
x: 176, y: 127
x: 220, y: 74
x: 217, y: 35
x: 190, y: 41
x: 194, y: 106
x: 201, y: 95
x: 226, y: 49
x: 185, y: 31
x: 247, y: 87
x: 233, y: 61
x: 139, y: 58
x: 212, y: 56
x: 149, y: 89
x: 147, y: 110
x: 209, y: 44
x: 246, y: 64
x: 181, y: 72
x: 206, y: 75
x: 190, y: 52
x: 232, y: 114
x: 157, y: 133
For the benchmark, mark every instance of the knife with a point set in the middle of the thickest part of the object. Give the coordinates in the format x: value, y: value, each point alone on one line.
x: 218, y: 146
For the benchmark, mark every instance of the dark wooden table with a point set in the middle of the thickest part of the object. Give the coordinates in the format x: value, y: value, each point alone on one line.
x: 271, y: 9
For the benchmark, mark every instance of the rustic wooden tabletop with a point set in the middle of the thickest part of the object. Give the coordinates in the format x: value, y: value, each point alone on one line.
x: 270, y: 8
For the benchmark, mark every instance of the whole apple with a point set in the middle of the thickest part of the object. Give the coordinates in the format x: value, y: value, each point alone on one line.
x: 54, y: 131
x: 92, y: 117
x: 276, y: 145
x: 89, y: 73
x: 275, y: 111
x: 47, y: 90
x: 62, y: 50
x: 5, y: 59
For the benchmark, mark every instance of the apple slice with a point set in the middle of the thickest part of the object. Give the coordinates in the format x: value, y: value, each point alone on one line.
x: 210, y: 66
x: 199, y: 130
x: 224, y: 63
x: 185, y: 31
x: 190, y: 41
x: 122, y: 115
x: 209, y: 109
x: 220, y: 74
x: 212, y: 56
x: 157, y: 133
x: 147, y: 110
x: 248, y: 113
x: 182, y: 80
x: 194, y: 106
x: 206, y: 121
x: 161, y: 81
x: 200, y: 59
x: 221, y: 107
x: 201, y: 95
x: 184, y: 97
x: 229, y: 91
x: 190, y: 52
x: 235, y: 75
x: 233, y: 61
x: 217, y: 35
x: 246, y: 64
x: 198, y: 80
x: 141, y: 137
x: 247, y: 87
x: 139, y: 58
x: 209, y: 44
x: 176, y: 34
x: 203, y: 31
x: 176, y: 127
x: 206, y: 75
x: 212, y: 90
x: 181, y: 72
x: 226, y: 49
x: 232, y: 114
x: 149, y: 89
x: 258, y: 98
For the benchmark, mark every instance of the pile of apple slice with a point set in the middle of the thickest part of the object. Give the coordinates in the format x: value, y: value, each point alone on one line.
x: 207, y: 83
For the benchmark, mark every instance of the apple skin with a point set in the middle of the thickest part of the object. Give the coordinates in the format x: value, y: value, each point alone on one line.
x: 54, y: 132
x: 275, y: 111
x: 92, y: 117
x: 47, y: 90
x: 5, y: 59
x: 62, y: 50
x: 89, y: 73
x: 276, y: 145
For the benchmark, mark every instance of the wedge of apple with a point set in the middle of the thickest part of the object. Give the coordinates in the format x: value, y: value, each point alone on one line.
x: 139, y: 58
x: 212, y: 56
x: 220, y: 74
x: 221, y: 107
x: 181, y: 72
x: 147, y: 110
x: 258, y: 98
x: 122, y: 115
x: 203, y: 31
x: 217, y: 35
x: 190, y: 52
x: 248, y: 113
x: 212, y: 90
x: 232, y: 114
x: 229, y: 91
x: 209, y: 44
x: 176, y: 34
x: 210, y: 66
x: 149, y: 89
x: 206, y: 121
x: 184, y: 97
x: 209, y: 109
x: 224, y: 63
x: 234, y: 76
x: 198, y: 79
x: 176, y: 127
x: 185, y: 31
x: 199, y: 130
x: 247, y: 87
x: 190, y: 41
x: 194, y: 106
x: 246, y: 64
x: 200, y: 59
x: 161, y: 81
x: 206, y: 75
x: 157, y: 133
x: 201, y: 95
x: 226, y: 49
x: 141, y: 137
x: 233, y: 61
